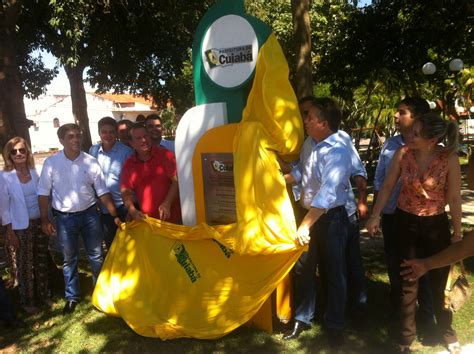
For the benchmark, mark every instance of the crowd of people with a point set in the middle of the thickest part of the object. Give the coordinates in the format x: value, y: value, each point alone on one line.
x: 74, y: 195
x: 417, y: 175
x: 132, y: 173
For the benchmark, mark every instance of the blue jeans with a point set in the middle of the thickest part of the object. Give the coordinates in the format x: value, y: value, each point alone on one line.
x: 69, y: 227
x: 392, y: 257
x: 355, y: 268
x: 328, y: 248
x: 108, y: 225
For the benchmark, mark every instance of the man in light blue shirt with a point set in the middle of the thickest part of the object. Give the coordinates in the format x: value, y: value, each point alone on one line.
x: 325, y: 226
x: 408, y: 110
x: 111, y: 155
x: 301, y: 173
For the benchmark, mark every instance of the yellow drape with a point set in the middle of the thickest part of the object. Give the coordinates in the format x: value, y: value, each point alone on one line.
x: 172, y: 281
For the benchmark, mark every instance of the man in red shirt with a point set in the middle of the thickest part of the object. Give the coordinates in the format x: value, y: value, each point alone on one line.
x: 150, y: 174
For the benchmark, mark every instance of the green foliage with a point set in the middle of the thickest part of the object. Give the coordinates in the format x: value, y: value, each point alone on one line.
x: 387, y: 42
x: 370, y: 57
x: 168, y: 121
x: 146, y: 48
x: 277, y: 14
x: 367, y: 57
x: 181, y: 87
x: 35, y: 76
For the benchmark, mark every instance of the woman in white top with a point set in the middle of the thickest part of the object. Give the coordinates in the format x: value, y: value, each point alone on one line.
x: 21, y: 216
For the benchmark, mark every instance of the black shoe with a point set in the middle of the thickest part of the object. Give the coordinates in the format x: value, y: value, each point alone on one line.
x: 14, y: 323
x: 70, y: 306
x: 335, y: 337
x: 297, y: 329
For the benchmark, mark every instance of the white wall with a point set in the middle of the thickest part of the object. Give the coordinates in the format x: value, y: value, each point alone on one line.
x: 43, y: 110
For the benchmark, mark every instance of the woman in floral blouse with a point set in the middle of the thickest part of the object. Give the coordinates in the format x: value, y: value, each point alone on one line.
x: 430, y: 174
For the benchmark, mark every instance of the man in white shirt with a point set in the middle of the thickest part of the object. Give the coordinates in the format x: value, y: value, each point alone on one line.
x: 73, y: 179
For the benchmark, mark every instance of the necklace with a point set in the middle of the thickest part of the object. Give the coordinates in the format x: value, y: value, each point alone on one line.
x: 23, y: 176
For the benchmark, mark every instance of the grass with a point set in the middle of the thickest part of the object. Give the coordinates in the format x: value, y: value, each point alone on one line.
x: 88, y: 330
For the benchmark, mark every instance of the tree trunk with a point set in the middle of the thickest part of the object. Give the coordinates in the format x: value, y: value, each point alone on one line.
x: 302, y: 34
x: 12, y: 109
x: 79, y: 103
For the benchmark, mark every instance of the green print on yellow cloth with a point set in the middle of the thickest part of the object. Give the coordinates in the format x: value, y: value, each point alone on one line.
x: 172, y: 281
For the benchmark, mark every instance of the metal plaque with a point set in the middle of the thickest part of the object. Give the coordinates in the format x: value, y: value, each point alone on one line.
x: 219, y: 189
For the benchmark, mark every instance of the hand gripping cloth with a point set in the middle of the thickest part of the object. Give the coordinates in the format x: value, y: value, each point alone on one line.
x: 172, y: 281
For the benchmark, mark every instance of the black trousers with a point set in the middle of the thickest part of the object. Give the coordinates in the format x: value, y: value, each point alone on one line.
x: 421, y: 237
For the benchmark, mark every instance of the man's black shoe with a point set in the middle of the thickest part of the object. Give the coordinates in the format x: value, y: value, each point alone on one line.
x: 297, y: 329
x: 70, y: 306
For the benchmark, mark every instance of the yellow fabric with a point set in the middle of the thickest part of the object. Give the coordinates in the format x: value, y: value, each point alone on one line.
x: 171, y: 281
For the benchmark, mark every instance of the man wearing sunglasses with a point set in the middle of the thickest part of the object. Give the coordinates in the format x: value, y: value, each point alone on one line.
x: 74, y: 179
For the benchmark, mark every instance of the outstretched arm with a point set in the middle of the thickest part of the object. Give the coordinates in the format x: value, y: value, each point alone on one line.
x: 415, y: 268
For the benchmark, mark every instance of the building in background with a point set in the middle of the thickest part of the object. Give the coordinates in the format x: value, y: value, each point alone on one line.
x: 50, y: 111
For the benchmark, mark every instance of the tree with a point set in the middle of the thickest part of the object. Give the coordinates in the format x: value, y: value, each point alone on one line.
x: 20, y: 73
x: 72, y: 32
x: 150, y: 54
x: 136, y: 46
x: 387, y: 42
x: 302, y: 34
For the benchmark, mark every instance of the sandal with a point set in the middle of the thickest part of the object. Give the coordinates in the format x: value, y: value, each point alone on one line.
x: 454, y: 348
x: 405, y: 349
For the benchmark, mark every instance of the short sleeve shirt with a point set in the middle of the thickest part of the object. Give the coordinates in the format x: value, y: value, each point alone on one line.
x: 112, y: 163
x: 151, y: 181
x: 73, y: 184
x: 383, y: 166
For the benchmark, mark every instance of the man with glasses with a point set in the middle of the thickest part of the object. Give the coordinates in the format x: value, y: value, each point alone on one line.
x: 73, y: 179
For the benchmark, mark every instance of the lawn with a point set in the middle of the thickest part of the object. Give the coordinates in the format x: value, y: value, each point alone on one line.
x: 88, y: 330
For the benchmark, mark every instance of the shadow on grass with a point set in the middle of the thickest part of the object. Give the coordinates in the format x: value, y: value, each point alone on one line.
x: 87, y: 330
x: 371, y: 334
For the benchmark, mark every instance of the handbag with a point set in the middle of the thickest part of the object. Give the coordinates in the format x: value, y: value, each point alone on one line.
x: 457, y: 293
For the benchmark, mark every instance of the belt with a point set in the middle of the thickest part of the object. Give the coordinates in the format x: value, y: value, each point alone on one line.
x: 335, y: 209
x: 69, y: 213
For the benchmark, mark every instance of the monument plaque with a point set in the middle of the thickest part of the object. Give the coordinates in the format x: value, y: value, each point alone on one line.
x: 219, y: 190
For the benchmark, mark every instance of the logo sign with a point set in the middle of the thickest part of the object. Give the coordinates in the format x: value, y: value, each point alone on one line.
x: 228, y: 56
x: 185, y: 261
x: 229, y: 51
x: 220, y: 166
